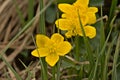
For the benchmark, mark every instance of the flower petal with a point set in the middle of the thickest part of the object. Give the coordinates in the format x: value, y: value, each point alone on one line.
x: 57, y: 38
x: 64, y: 16
x: 63, y: 24
x: 41, y: 40
x: 63, y: 48
x: 84, y: 3
x: 52, y: 59
x: 41, y: 52
x: 69, y: 34
x: 93, y: 9
x: 84, y: 19
x: 66, y: 8
x: 90, y: 31
x: 91, y: 18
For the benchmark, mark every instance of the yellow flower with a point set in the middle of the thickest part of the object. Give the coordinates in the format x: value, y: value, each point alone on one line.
x: 71, y: 12
x: 82, y: 6
x: 86, y: 13
x: 51, y: 48
x: 73, y: 28
x: 70, y: 18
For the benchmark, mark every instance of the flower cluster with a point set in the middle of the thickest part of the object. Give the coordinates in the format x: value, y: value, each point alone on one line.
x: 73, y: 18
x: 72, y: 14
x: 51, y: 48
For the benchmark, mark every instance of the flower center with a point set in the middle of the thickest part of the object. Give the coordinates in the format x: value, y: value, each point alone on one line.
x: 52, y: 50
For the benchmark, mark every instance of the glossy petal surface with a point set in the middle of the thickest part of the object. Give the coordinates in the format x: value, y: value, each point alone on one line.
x: 52, y: 59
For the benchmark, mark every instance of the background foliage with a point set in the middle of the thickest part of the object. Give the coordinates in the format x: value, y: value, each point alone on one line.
x: 19, y: 23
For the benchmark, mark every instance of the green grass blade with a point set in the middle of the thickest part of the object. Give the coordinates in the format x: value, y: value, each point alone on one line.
x: 43, y: 31
x: 102, y: 33
x: 102, y: 41
x: 112, y: 10
x: 77, y: 57
x: 42, y: 19
x: 58, y: 70
x: 87, y: 45
x: 30, y: 9
x: 114, y: 70
x: 104, y: 74
x: 92, y: 76
x: 53, y: 72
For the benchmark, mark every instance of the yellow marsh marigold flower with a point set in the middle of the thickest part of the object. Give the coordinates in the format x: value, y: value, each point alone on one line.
x: 82, y: 6
x: 86, y: 13
x: 51, y: 48
x: 70, y: 18
x: 73, y: 28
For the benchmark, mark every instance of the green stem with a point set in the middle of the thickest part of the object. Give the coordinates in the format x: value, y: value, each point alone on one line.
x: 102, y: 41
x: 81, y: 72
x: 42, y: 31
x: 58, y: 70
x: 87, y: 45
x: 77, y: 48
x: 44, y: 69
x: 53, y: 73
x: 114, y: 73
x: 42, y: 19
x: 102, y: 33
x: 112, y: 11
x: 30, y: 9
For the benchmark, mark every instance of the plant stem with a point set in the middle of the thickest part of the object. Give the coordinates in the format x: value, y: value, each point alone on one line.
x: 53, y: 73
x: 42, y: 31
x: 58, y: 70
x: 77, y: 48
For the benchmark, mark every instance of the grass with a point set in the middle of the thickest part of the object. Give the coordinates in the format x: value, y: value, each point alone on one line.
x: 89, y: 59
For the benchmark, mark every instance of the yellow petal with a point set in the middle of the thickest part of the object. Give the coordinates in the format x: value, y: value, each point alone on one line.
x: 64, y: 16
x: 57, y: 38
x: 69, y: 15
x: 91, y: 18
x: 63, y: 48
x: 41, y: 52
x: 41, y: 40
x: 90, y: 31
x: 68, y: 34
x: 66, y: 8
x: 63, y: 24
x: 84, y: 19
x: 93, y: 9
x: 52, y: 59
x: 81, y: 2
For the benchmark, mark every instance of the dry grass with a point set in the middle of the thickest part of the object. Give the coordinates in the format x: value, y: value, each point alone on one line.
x: 10, y: 25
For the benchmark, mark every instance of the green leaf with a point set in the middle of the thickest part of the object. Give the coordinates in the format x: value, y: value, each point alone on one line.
x: 24, y: 53
x: 51, y: 13
x: 95, y: 42
x: 96, y: 2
